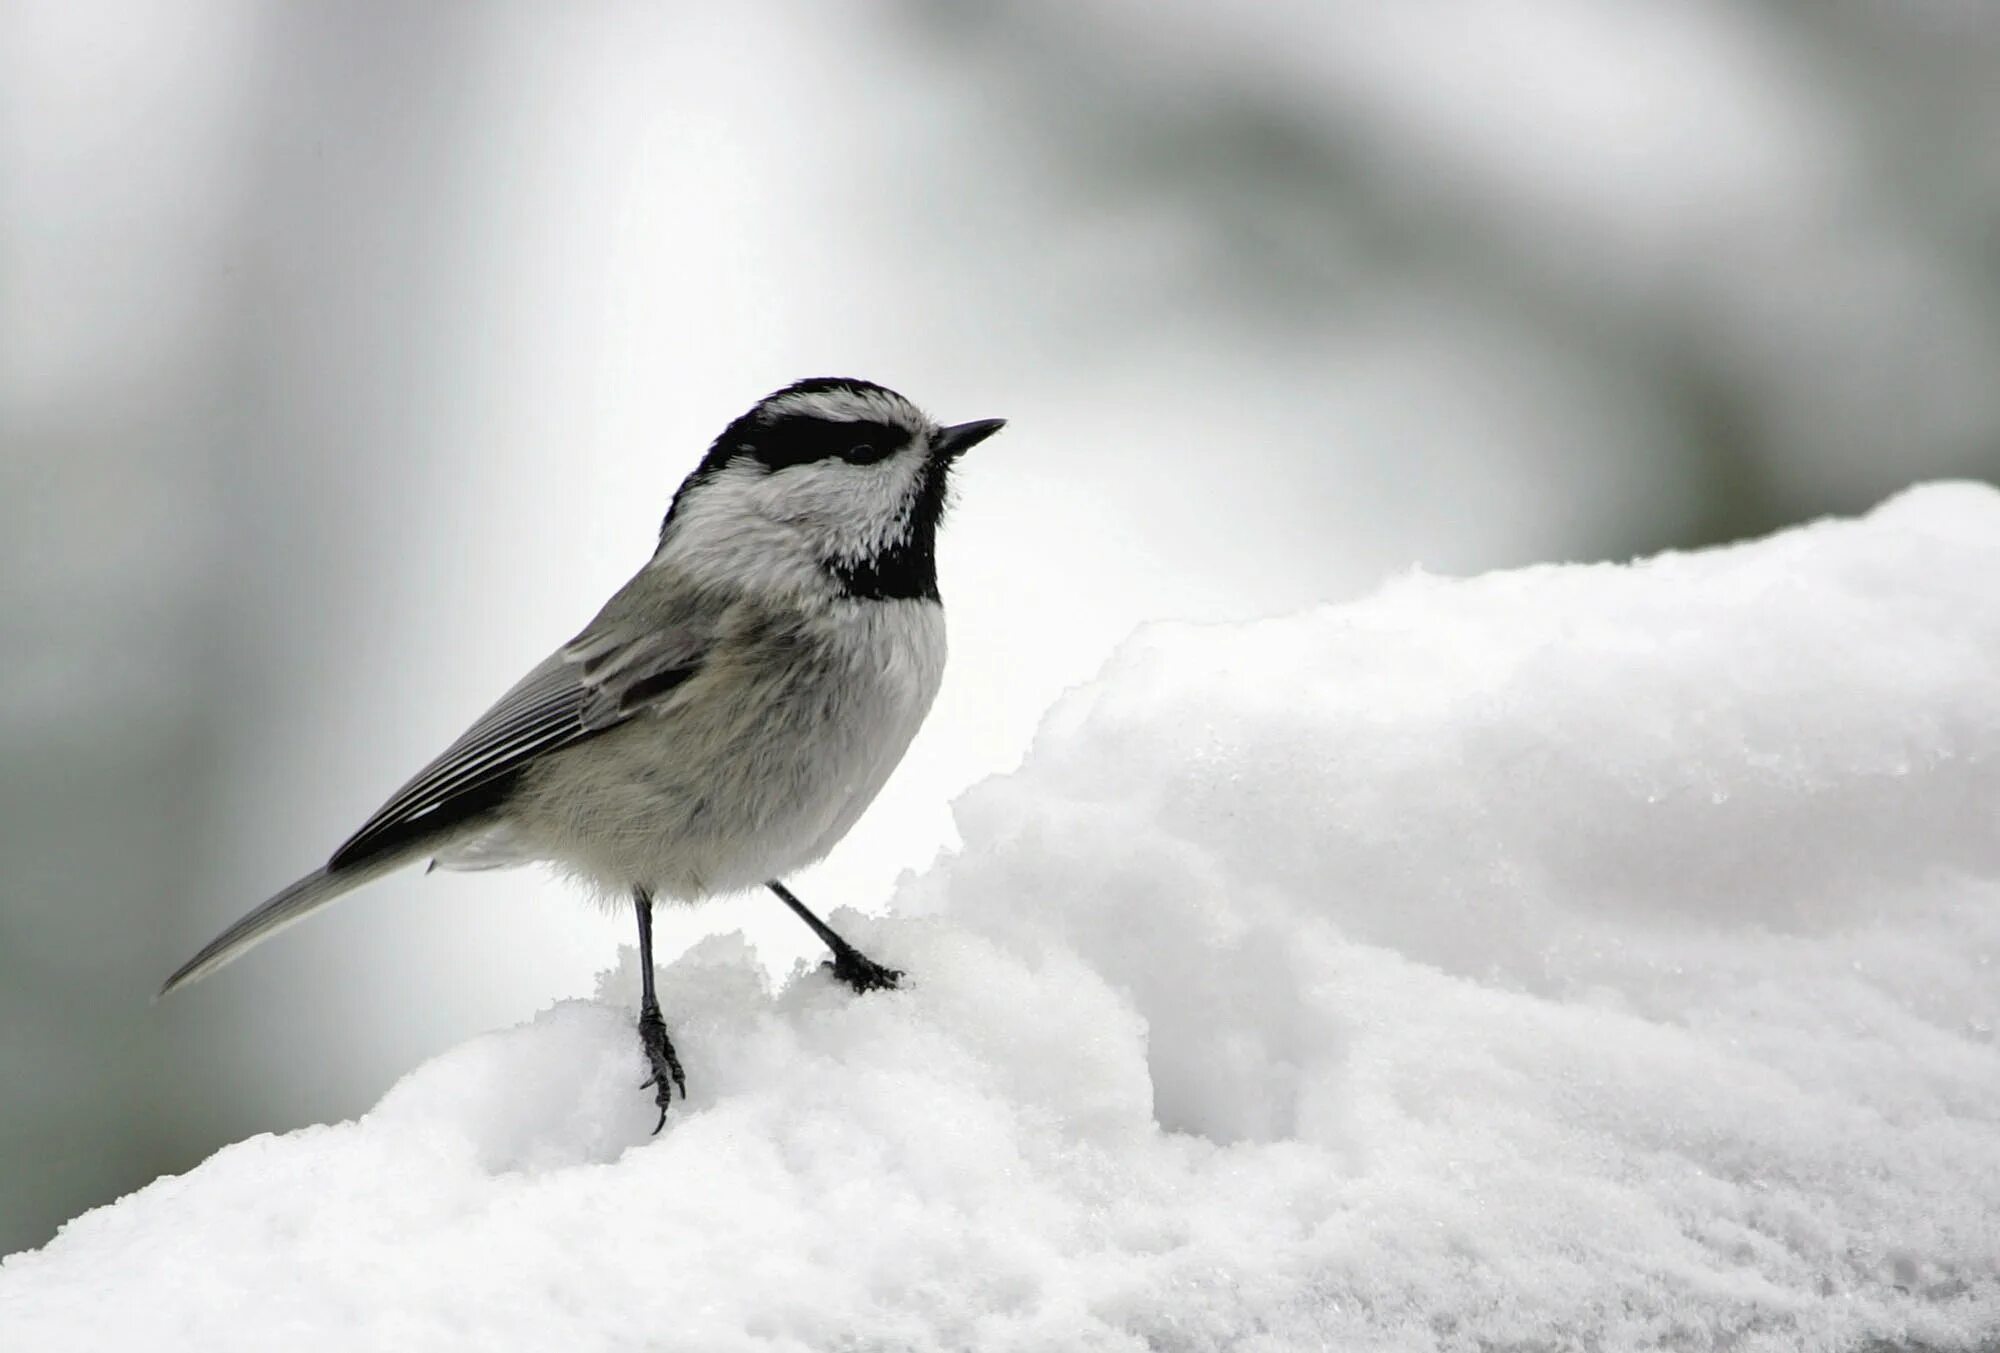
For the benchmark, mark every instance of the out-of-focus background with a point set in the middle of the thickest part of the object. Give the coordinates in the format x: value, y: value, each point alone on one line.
x: 349, y: 352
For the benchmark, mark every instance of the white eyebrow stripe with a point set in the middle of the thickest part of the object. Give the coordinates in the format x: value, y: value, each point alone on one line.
x: 850, y: 406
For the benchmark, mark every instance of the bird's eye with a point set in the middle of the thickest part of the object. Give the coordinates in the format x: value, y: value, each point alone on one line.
x: 863, y: 453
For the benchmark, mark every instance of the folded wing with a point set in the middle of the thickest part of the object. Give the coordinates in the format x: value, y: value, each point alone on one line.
x: 611, y: 672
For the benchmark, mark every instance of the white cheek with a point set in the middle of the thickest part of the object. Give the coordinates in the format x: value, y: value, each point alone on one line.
x: 747, y: 523
x: 841, y: 511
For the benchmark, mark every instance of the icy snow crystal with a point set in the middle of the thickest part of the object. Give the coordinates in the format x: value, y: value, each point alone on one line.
x: 1574, y: 957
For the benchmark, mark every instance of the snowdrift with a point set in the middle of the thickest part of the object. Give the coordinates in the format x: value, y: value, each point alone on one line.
x: 1578, y: 957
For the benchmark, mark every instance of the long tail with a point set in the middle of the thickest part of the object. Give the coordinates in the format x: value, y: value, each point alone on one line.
x: 294, y: 904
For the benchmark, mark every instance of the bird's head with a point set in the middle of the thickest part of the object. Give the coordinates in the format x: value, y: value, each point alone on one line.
x: 829, y: 482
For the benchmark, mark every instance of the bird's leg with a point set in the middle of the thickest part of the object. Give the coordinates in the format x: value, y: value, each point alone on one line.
x: 850, y: 965
x: 666, y: 1067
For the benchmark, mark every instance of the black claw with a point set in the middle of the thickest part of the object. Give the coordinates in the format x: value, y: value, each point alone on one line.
x: 849, y: 964
x: 666, y: 1066
x: 862, y: 973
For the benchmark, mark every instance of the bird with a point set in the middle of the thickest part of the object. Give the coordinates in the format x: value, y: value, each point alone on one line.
x: 730, y: 712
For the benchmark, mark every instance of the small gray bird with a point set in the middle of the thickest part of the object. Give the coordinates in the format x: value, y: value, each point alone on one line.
x: 729, y: 713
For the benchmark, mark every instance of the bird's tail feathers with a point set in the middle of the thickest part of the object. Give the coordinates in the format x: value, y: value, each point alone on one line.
x: 292, y: 905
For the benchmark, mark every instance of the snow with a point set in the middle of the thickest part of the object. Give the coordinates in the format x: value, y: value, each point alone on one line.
x: 1582, y: 956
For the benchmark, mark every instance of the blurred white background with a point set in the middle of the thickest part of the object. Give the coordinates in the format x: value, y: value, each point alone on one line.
x: 350, y: 350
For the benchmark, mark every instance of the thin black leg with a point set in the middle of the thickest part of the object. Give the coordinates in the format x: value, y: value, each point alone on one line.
x: 666, y: 1067
x: 850, y: 965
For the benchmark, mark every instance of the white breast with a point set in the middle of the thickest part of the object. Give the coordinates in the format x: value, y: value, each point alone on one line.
x: 903, y: 643
x: 755, y: 768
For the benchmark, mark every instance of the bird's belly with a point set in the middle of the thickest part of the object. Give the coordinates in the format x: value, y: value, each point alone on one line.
x: 747, y: 774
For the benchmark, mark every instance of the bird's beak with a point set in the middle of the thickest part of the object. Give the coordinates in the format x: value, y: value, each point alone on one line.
x: 959, y: 438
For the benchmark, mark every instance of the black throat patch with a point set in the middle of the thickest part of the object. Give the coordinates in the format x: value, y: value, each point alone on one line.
x: 906, y: 568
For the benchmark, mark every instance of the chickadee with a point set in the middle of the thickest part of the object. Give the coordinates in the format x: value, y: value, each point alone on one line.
x: 728, y: 714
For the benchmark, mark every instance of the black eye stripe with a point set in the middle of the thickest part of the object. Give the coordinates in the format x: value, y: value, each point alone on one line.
x: 800, y: 439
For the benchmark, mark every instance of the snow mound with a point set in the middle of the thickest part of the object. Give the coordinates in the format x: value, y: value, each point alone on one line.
x: 1579, y: 957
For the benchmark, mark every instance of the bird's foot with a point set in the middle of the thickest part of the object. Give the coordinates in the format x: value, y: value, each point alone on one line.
x: 862, y: 973
x: 666, y: 1067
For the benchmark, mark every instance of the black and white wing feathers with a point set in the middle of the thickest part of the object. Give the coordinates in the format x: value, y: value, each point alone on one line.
x: 648, y: 640
x: 613, y: 670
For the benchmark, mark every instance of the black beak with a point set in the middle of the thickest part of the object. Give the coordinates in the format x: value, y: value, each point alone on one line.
x: 959, y: 438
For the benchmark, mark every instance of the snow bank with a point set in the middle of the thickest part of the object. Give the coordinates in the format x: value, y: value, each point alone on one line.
x: 1577, y: 957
